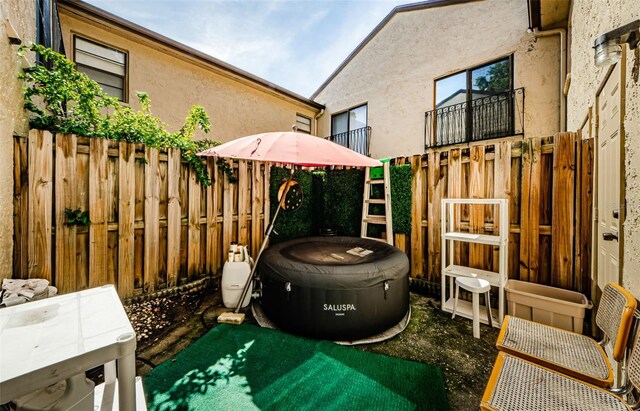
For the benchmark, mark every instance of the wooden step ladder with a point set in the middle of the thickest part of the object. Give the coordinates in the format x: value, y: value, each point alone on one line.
x: 382, y: 219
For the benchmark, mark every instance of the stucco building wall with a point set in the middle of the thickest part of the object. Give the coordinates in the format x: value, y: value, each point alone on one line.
x: 13, y: 119
x: 175, y: 82
x: 394, y: 73
x: 589, y: 19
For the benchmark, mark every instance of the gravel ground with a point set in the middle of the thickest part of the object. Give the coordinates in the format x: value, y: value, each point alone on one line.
x: 167, y: 325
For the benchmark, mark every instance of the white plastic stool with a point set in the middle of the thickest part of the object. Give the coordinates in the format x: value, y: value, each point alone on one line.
x: 474, y: 286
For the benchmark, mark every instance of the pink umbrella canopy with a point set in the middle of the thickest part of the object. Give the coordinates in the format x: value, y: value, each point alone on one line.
x: 291, y: 148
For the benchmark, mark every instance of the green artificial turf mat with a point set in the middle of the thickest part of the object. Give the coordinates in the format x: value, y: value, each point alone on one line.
x: 244, y: 367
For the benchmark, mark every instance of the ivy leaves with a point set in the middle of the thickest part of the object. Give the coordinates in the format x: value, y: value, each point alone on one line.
x: 63, y: 100
x: 76, y: 218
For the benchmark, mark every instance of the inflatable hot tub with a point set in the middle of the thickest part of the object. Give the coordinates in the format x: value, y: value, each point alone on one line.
x: 335, y: 288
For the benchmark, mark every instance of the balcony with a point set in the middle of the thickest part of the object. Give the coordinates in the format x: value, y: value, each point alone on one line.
x: 495, y: 116
x: 357, y: 140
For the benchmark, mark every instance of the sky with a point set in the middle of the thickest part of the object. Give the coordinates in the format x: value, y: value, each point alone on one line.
x: 294, y: 44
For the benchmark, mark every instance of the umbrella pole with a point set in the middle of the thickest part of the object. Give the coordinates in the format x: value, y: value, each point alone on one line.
x: 265, y: 241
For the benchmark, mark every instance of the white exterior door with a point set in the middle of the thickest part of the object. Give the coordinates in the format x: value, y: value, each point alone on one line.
x: 610, y: 133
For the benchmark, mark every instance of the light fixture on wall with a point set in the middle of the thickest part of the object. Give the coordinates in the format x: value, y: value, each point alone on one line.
x: 609, y: 46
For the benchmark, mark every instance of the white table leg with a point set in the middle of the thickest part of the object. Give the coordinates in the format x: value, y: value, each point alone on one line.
x: 110, y: 372
x: 476, y: 314
x: 127, y: 382
x: 127, y: 372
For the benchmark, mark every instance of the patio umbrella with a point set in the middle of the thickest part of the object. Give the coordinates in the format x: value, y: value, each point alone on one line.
x: 287, y: 148
x: 291, y: 148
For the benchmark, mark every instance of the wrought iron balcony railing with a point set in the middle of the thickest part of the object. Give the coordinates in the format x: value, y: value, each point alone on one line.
x: 357, y: 140
x: 498, y: 115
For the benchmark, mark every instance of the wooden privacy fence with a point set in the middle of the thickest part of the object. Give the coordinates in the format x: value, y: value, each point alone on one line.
x: 548, y: 182
x: 152, y: 224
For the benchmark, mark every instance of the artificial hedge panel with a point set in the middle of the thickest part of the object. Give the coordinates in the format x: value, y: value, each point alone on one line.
x: 321, y: 202
x: 345, y: 189
x: 401, y: 198
x: 333, y: 199
x: 296, y: 223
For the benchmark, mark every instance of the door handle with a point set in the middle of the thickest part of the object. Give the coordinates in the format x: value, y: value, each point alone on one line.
x: 609, y: 236
x: 616, y: 213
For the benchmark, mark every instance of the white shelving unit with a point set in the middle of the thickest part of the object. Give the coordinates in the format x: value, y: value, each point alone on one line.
x: 450, y: 271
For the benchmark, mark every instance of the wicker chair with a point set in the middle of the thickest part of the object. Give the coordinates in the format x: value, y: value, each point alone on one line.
x: 519, y: 385
x: 570, y: 353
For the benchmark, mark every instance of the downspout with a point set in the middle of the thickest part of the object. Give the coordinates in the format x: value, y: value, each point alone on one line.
x: 563, y: 69
x: 316, y: 119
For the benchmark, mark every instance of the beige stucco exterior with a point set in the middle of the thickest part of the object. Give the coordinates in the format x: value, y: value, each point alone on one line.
x: 13, y: 120
x: 175, y: 81
x: 589, y: 19
x: 395, y: 71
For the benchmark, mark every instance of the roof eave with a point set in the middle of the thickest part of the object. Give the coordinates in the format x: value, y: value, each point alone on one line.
x: 182, y: 48
x: 398, y: 9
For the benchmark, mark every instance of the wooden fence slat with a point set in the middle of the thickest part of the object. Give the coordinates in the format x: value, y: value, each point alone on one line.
x: 586, y: 217
x: 416, y: 217
x: 221, y: 252
x: 400, y: 242
x: 82, y: 203
x: 98, y: 273
x: 40, y: 202
x: 525, y: 229
x: 434, y: 197
x: 227, y: 215
x: 126, y: 218
x: 454, y: 190
x: 257, y: 205
x: 193, y: 238
x: 267, y: 197
x: 174, y: 212
x: 151, y: 222
x: 210, y: 241
x: 501, y: 188
x: 577, y: 250
x: 530, y: 210
x: 563, y: 196
x: 65, y: 192
x: 21, y: 208
x: 477, y: 257
x: 243, y: 203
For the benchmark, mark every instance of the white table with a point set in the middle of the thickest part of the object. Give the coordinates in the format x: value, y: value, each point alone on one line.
x: 51, y: 340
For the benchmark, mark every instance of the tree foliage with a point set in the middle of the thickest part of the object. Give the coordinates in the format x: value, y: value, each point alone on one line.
x: 496, y: 78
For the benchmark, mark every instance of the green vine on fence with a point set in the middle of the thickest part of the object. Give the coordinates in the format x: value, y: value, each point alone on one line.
x: 76, y: 217
x: 63, y: 100
x: 227, y: 169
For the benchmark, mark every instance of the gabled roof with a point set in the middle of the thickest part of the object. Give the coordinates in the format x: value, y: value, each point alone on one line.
x: 172, y: 44
x: 398, y: 9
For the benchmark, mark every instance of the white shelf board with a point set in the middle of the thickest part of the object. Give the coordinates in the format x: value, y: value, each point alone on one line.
x: 462, y: 271
x: 473, y: 238
x: 465, y: 309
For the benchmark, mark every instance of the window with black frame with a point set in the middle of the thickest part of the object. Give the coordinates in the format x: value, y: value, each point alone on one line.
x: 473, y: 104
x: 349, y: 128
